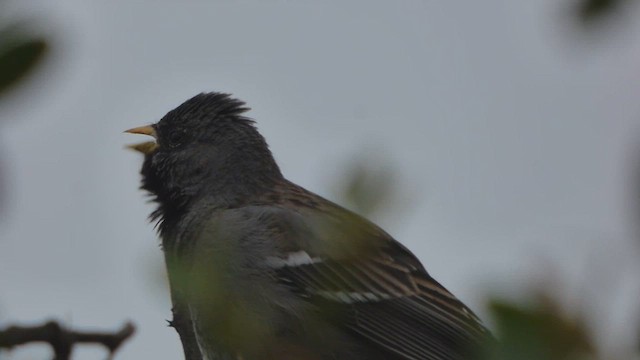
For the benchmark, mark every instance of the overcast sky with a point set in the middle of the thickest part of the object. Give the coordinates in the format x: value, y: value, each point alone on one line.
x: 513, y: 137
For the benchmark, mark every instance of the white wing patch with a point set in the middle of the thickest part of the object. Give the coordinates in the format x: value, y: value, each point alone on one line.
x: 293, y: 259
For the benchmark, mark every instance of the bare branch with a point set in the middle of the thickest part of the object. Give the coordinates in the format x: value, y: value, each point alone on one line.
x: 61, y: 339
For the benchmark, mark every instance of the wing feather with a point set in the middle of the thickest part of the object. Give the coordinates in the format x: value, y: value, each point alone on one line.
x: 398, y: 308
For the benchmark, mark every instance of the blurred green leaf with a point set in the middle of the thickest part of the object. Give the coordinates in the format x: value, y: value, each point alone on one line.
x: 540, y: 331
x: 366, y: 190
x: 18, y: 57
x: 590, y: 11
x: 368, y: 187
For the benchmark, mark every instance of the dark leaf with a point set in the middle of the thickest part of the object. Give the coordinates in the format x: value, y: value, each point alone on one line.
x: 18, y: 59
x: 589, y: 11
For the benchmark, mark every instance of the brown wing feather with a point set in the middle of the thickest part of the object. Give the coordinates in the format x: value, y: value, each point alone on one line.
x: 403, y: 311
x: 367, y: 283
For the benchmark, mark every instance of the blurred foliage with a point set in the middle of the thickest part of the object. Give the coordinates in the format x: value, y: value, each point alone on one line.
x: 592, y: 9
x: 368, y: 187
x: 541, y: 330
x: 590, y: 12
x: 19, y: 55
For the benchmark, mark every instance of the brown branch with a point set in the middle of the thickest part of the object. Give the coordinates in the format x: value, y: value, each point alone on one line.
x: 61, y: 339
x: 182, y: 323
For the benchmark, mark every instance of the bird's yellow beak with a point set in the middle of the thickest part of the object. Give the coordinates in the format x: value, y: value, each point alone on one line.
x: 146, y: 147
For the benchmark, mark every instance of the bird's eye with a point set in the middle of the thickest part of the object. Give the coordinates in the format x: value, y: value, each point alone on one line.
x: 175, y: 138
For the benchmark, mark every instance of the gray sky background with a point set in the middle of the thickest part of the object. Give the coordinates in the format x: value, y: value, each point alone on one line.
x: 515, y: 138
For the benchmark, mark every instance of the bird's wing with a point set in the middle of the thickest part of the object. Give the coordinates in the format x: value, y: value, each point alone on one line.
x: 373, y: 287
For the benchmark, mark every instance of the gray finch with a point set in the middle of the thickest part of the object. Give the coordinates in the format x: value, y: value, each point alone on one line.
x: 261, y: 268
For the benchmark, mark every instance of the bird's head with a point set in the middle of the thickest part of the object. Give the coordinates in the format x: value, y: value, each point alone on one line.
x: 205, y: 148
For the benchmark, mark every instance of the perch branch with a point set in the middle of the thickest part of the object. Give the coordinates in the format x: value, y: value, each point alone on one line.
x: 62, y: 339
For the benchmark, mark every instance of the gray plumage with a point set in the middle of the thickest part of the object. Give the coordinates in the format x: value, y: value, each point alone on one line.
x: 261, y: 268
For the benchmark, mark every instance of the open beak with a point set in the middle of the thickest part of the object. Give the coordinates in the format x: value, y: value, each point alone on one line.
x: 146, y: 147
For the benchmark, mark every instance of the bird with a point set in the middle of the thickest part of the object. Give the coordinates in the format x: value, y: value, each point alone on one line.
x: 260, y: 268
